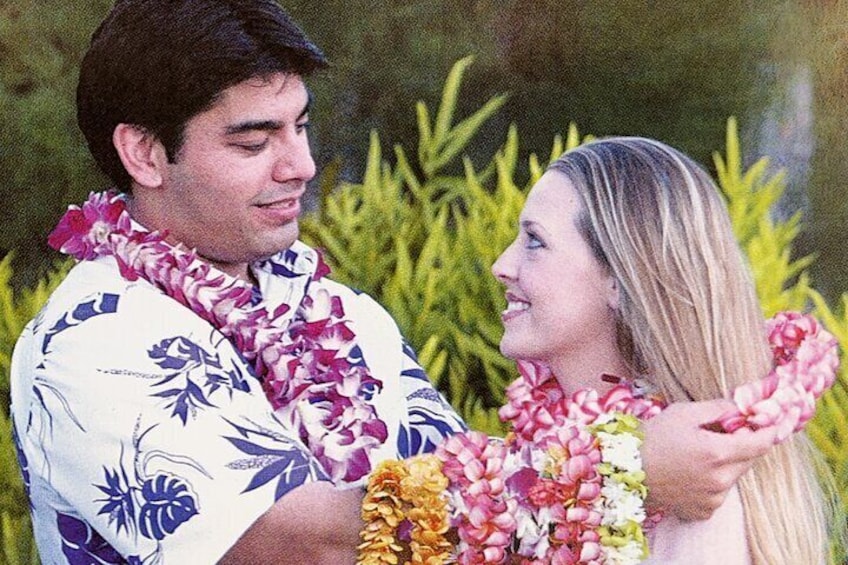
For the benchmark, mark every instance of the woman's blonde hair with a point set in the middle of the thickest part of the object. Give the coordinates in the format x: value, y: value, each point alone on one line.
x: 689, y: 318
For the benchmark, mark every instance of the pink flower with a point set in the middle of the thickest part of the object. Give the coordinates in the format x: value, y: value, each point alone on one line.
x: 786, y: 331
x: 534, y: 402
x: 322, y: 270
x: 82, y: 232
x: 805, y: 366
x: 474, y: 466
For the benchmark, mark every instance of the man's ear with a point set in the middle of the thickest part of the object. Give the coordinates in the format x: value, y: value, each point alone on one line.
x: 142, y: 154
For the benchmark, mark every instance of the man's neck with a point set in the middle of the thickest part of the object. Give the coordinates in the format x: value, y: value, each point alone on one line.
x: 138, y: 213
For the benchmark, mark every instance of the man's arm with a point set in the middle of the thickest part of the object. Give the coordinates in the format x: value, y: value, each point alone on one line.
x: 689, y: 473
x: 689, y: 469
x: 314, y: 523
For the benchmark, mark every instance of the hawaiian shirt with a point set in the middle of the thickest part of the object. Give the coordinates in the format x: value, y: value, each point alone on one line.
x: 143, y: 435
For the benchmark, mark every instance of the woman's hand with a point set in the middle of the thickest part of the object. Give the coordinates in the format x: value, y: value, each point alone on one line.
x: 690, y: 469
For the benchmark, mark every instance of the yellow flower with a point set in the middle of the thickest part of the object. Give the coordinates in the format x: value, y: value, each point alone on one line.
x: 413, y: 490
x: 425, y: 479
x: 382, y: 512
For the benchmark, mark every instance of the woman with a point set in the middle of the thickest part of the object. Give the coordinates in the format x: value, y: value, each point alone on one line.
x: 626, y: 264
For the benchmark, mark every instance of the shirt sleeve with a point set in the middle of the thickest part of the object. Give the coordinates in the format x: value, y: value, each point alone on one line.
x: 431, y: 418
x: 417, y: 416
x: 145, y: 432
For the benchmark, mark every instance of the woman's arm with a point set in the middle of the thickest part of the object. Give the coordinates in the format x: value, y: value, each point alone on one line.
x: 689, y: 469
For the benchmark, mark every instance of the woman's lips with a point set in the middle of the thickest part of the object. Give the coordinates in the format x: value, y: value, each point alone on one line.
x: 514, y: 307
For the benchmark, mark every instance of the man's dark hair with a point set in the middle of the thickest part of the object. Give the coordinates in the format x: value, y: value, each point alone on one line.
x: 157, y: 63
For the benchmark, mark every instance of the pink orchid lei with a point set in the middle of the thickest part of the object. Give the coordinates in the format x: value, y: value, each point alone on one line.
x: 305, y: 365
x: 806, y: 361
x: 567, y: 485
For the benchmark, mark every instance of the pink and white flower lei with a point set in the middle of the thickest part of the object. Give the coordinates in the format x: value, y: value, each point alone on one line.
x: 483, y: 512
x: 306, y: 366
x: 566, y: 486
x: 562, y: 488
x: 806, y: 361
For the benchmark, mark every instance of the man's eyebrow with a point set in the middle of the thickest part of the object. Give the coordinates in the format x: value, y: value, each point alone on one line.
x: 253, y: 125
x: 265, y: 125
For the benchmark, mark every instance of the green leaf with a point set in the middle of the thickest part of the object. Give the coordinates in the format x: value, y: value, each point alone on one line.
x: 450, y: 93
x: 457, y: 139
x: 425, y: 135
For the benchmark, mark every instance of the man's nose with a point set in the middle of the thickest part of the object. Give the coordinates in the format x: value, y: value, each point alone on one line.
x: 295, y: 161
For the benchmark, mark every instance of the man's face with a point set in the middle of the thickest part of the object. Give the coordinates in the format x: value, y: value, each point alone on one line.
x: 234, y: 191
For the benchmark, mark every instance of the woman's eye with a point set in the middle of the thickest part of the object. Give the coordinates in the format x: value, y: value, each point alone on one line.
x: 533, y: 242
x: 303, y: 126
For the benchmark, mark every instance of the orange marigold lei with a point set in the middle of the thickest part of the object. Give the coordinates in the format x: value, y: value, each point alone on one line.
x: 408, y: 494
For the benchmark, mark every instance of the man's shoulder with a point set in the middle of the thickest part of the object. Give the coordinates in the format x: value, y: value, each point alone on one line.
x: 96, y: 289
x: 350, y: 294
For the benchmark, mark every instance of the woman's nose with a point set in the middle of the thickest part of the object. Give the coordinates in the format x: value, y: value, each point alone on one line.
x: 502, y: 268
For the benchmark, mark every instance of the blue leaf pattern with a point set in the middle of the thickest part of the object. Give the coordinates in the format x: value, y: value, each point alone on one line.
x: 185, y: 400
x: 168, y: 503
x: 153, y: 506
x: 82, y: 545
x: 420, y: 417
x: 427, y: 428
x: 418, y: 374
x: 188, y: 359
x: 119, y: 503
x: 181, y: 353
x: 409, y: 352
x: 404, y: 443
x: 231, y: 380
x: 286, y: 461
x: 283, y: 264
x: 412, y: 370
x: 105, y: 304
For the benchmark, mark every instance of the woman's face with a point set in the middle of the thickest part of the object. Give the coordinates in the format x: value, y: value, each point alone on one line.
x: 560, y: 299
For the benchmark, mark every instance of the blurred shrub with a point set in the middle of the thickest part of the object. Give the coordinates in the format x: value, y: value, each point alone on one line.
x: 43, y: 157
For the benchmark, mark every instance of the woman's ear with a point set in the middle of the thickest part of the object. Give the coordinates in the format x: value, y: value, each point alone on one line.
x: 142, y: 154
x: 613, y: 293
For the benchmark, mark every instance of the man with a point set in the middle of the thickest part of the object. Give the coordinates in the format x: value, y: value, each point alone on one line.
x: 144, y: 431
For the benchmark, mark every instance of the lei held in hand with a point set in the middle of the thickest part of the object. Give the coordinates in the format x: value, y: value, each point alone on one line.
x: 305, y: 359
x: 567, y: 485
